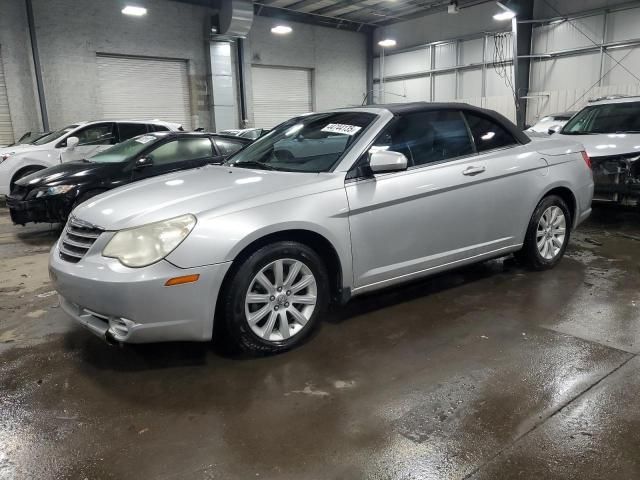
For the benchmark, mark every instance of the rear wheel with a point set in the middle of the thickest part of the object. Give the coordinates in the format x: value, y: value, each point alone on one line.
x: 547, y: 235
x: 276, y: 297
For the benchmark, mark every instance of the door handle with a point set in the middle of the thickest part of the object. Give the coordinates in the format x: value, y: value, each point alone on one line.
x: 473, y: 170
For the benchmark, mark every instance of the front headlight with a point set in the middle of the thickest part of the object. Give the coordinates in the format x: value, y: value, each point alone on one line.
x: 143, y: 246
x: 54, y: 190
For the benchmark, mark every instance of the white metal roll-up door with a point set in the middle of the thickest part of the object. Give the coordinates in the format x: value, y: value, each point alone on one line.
x: 279, y: 94
x: 6, y: 128
x: 144, y: 89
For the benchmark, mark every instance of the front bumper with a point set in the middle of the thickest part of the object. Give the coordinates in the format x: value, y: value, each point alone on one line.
x: 51, y: 209
x: 132, y: 304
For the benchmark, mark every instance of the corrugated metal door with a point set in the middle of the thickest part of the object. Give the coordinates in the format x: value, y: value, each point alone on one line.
x: 144, y: 89
x: 279, y: 94
x: 6, y: 128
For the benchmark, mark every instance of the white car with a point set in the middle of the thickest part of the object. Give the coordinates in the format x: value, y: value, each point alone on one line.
x: 74, y: 142
x: 609, y: 129
x: 550, y: 124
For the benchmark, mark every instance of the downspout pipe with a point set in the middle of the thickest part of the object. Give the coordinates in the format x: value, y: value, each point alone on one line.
x: 37, y: 67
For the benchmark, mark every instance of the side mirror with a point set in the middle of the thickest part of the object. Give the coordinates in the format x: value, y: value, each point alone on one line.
x: 386, y: 161
x: 143, y: 163
x: 554, y: 129
x: 72, y: 142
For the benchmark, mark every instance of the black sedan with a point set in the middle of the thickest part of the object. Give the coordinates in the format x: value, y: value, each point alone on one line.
x: 49, y: 195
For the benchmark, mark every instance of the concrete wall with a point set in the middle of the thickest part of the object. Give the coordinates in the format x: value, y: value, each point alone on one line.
x: 15, y: 48
x: 71, y: 32
x: 337, y: 57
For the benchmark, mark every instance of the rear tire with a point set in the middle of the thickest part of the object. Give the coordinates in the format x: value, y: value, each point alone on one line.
x: 275, y: 298
x: 547, y: 234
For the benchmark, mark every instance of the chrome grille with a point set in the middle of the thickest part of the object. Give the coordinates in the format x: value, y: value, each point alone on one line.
x: 77, y: 239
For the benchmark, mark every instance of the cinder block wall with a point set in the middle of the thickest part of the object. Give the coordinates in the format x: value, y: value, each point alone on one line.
x: 338, y: 59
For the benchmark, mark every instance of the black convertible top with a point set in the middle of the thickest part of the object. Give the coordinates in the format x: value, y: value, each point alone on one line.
x: 405, y: 108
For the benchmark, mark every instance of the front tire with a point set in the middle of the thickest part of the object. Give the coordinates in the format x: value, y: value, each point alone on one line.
x: 275, y: 298
x: 547, y: 234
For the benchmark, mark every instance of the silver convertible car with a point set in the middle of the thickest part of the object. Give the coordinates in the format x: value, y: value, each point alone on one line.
x: 325, y: 207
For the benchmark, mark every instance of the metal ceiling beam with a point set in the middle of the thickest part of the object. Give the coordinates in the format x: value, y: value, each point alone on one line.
x: 284, y: 13
x: 428, y: 11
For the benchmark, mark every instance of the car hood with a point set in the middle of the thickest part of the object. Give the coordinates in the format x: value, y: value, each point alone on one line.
x: 606, y: 144
x: 213, y: 188
x: 21, y: 149
x: 70, y: 173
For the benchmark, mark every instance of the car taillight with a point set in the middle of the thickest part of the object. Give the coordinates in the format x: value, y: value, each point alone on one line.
x: 586, y: 158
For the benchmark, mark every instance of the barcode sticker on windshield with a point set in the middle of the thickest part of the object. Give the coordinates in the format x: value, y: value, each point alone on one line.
x: 341, y: 128
x: 145, y: 139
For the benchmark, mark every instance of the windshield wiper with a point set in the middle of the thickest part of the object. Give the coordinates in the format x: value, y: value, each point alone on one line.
x: 253, y: 164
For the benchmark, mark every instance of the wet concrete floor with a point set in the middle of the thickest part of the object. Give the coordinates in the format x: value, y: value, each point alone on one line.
x: 485, y: 373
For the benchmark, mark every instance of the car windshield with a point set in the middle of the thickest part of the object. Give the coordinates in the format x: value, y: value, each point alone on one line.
x: 608, y: 118
x: 312, y: 143
x: 124, y: 151
x: 54, y: 135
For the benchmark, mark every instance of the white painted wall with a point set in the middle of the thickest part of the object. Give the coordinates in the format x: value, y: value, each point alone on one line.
x: 336, y: 57
x: 17, y: 66
x: 567, y: 83
x: 422, y: 62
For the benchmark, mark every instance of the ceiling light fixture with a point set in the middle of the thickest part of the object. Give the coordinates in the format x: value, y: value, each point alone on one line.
x: 281, y: 29
x: 387, y: 42
x: 505, y: 14
x: 135, y: 11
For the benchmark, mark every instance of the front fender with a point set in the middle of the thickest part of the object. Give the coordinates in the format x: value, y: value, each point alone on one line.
x: 219, y: 239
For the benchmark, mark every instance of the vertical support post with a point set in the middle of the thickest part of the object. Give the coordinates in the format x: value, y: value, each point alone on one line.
x: 483, y: 88
x: 240, y: 82
x: 369, y: 81
x: 521, y: 57
x: 604, y: 40
x: 432, y: 84
x: 457, y: 91
x: 37, y: 67
x: 381, y: 84
x: 516, y: 86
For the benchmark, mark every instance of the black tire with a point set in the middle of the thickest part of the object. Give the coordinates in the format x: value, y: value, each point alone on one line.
x: 241, y: 277
x: 530, y: 256
x: 21, y: 174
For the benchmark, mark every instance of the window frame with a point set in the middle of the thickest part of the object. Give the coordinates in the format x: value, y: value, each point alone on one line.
x: 352, y: 173
x: 489, y: 119
x: 118, y: 124
x: 63, y: 143
x: 165, y: 141
x: 220, y: 153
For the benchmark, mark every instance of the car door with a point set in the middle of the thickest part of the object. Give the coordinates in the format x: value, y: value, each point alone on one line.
x: 430, y: 216
x: 511, y: 182
x: 91, y: 140
x: 175, y: 154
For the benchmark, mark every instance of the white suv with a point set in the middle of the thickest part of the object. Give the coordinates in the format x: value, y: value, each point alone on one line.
x: 74, y: 142
x: 609, y: 129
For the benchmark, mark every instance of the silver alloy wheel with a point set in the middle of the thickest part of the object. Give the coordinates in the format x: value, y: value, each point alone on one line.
x: 551, y: 232
x: 281, y: 299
